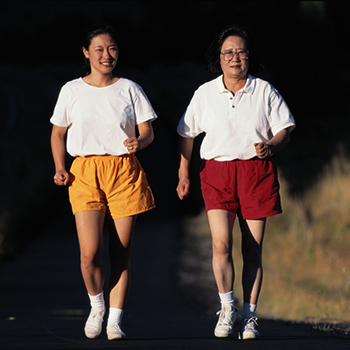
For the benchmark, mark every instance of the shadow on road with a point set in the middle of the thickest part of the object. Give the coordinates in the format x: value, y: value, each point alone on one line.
x: 43, y: 303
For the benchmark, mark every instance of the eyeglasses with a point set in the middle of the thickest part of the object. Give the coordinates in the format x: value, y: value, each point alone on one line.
x: 241, y: 54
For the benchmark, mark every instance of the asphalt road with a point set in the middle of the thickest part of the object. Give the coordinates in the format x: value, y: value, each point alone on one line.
x: 43, y: 303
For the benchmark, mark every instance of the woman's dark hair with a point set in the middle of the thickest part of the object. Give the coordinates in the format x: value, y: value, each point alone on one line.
x: 213, y: 53
x: 93, y: 31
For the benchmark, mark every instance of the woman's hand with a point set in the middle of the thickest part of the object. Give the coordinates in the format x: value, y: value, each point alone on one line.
x: 183, y: 189
x: 262, y: 150
x: 132, y: 144
x: 61, y: 178
x: 146, y: 136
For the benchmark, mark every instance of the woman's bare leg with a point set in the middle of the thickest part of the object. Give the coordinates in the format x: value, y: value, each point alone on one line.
x: 90, y: 234
x: 121, y: 234
x: 221, y: 226
x: 252, y: 241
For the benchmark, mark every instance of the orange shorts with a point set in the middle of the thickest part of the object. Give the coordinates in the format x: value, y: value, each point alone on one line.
x: 114, y: 185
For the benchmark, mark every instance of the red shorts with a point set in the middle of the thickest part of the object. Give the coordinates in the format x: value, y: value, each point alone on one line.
x: 248, y: 187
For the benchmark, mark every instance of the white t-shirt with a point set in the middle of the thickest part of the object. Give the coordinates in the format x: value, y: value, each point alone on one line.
x: 233, y: 123
x: 99, y: 119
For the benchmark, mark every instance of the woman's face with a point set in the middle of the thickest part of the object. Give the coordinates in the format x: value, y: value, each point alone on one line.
x: 237, y: 66
x: 102, y: 54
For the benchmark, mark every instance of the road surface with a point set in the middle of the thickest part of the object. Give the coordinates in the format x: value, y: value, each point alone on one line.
x: 43, y: 303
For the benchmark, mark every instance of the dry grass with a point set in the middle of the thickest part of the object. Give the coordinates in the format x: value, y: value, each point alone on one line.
x: 306, y: 251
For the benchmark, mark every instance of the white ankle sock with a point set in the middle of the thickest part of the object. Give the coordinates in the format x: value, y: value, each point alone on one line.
x: 97, y: 301
x: 248, y: 309
x: 226, y: 299
x: 115, y: 316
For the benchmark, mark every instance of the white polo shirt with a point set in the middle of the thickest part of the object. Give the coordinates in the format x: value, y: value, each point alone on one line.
x: 99, y: 119
x: 233, y: 123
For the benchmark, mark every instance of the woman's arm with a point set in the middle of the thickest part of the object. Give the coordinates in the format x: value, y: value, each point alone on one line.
x: 58, y: 149
x: 185, y: 147
x: 265, y: 149
x: 145, y: 138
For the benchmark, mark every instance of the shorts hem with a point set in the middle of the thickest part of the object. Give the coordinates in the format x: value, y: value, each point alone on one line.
x: 262, y: 216
x: 102, y: 210
x: 116, y: 216
x: 137, y: 212
x: 249, y: 216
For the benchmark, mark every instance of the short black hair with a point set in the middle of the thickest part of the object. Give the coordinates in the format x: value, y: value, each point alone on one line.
x: 213, y: 52
x: 95, y: 30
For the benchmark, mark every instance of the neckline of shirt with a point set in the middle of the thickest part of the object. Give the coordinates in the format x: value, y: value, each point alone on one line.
x: 100, y: 87
x: 248, y: 87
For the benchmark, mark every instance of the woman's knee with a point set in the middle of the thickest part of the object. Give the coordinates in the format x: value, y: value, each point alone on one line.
x: 90, y: 258
x: 222, y: 249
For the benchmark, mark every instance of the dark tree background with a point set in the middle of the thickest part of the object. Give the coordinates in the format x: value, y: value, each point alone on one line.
x: 301, y: 44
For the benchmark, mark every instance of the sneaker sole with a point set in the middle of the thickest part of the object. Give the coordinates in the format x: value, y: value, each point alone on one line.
x: 116, y: 337
x: 222, y: 335
x: 92, y: 336
x: 248, y: 336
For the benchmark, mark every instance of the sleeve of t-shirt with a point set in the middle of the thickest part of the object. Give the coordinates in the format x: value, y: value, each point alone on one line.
x: 142, y: 106
x: 188, y: 125
x: 60, y: 115
x: 280, y: 117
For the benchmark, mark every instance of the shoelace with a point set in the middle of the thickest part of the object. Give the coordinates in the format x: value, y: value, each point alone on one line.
x: 116, y: 326
x: 251, y: 323
x: 97, y: 316
x: 225, y: 317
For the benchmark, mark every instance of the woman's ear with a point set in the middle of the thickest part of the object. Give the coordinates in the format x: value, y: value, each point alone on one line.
x: 86, y: 52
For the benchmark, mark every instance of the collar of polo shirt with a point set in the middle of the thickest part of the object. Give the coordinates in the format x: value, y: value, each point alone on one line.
x: 248, y: 87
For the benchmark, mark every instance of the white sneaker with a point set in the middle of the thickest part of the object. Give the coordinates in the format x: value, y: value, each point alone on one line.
x: 114, y: 332
x: 226, y: 322
x: 93, y: 325
x: 248, y: 328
